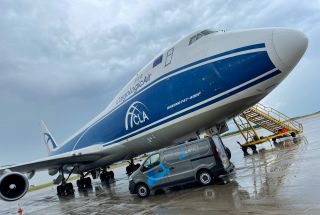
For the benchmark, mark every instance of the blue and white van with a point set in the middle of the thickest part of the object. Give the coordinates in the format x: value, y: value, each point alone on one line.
x: 200, y: 160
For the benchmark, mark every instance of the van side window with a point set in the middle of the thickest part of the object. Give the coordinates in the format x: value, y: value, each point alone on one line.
x: 151, y: 162
x: 169, y: 56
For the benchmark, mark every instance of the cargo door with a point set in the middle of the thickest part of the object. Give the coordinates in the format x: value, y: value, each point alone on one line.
x: 179, y: 165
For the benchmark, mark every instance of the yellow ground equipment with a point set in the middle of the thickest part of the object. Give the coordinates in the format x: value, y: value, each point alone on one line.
x: 268, y: 118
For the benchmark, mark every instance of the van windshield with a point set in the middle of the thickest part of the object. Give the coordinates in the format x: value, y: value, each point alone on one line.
x: 152, y: 161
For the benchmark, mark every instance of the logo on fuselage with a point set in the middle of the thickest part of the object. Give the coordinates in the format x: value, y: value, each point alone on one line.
x: 136, y: 115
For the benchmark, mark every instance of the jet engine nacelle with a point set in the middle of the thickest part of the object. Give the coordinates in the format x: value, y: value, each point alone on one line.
x: 13, y: 185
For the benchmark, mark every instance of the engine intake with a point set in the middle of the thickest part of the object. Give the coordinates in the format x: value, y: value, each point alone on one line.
x: 13, y: 186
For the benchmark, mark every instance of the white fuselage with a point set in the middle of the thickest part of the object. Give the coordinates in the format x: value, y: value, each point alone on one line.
x: 194, y: 84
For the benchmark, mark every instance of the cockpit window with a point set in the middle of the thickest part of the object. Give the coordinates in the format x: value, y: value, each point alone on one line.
x: 193, y: 39
x: 199, y: 35
x: 206, y: 32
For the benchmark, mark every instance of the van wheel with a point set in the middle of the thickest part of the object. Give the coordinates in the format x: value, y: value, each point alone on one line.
x: 142, y: 190
x: 228, y: 152
x: 204, y: 177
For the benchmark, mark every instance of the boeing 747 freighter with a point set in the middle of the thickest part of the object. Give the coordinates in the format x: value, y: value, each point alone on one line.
x: 199, y: 83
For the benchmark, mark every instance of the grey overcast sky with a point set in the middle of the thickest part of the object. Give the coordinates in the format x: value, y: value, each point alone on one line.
x: 63, y: 61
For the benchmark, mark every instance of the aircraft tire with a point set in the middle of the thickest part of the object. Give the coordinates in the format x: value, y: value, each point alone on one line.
x: 105, y: 177
x: 59, y: 190
x: 129, y: 170
x: 136, y: 166
x: 79, y: 185
x: 102, y: 177
x: 87, y: 182
x: 111, y: 174
x: 69, y: 188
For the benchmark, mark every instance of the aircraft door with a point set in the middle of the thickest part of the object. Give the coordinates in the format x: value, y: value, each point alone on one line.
x: 169, y: 56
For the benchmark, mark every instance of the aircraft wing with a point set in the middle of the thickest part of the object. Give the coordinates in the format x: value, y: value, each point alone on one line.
x: 14, y: 179
x: 55, y: 162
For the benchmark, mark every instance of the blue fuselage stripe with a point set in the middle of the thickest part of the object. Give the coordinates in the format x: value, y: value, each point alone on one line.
x: 203, y: 105
x: 176, y: 93
x: 233, y: 51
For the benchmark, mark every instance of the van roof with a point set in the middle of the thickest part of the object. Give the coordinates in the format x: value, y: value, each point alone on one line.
x: 180, y: 145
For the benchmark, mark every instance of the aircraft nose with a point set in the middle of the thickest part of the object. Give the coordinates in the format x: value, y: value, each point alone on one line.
x: 290, y: 45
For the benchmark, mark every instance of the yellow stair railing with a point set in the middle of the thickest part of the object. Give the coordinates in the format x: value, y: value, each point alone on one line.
x: 268, y: 118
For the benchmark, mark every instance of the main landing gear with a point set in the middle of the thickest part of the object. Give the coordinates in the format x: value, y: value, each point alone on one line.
x: 106, y: 176
x: 65, y: 188
x: 132, y: 167
x: 84, y: 182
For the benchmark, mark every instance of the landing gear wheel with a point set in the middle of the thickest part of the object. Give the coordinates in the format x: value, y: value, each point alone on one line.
x: 65, y: 189
x: 84, y: 183
x: 204, y: 177
x: 136, y: 166
x: 87, y: 182
x: 69, y: 188
x: 132, y: 167
x: 111, y: 173
x: 60, y: 190
x: 129, y: 170
x: 105, y: 177
x: 79, y: 185
x: 142, y: 190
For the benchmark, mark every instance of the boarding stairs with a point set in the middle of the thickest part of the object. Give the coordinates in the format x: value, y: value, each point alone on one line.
x: 268, y: 118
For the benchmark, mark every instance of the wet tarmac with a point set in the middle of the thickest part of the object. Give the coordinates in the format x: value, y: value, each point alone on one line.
x: 282, y: 179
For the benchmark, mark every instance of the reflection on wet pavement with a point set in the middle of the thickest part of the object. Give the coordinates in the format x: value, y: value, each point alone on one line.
x: 281, y: 179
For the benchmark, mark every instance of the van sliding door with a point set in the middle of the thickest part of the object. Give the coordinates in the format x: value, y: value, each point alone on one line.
x: 179, y: 165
